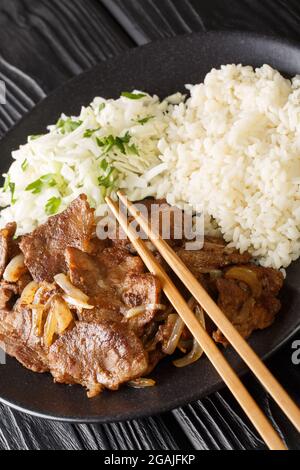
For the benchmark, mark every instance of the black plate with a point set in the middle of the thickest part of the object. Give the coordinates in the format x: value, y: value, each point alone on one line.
x: 161, y: 68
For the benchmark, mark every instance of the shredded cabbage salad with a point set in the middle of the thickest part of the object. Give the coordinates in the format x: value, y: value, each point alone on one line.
x: 112, y: 144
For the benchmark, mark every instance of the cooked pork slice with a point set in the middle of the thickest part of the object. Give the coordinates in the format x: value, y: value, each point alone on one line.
x: 213, y: 256
x: 101, y: 276
x: 98, y: 354
x: 107, y: 270
x: 95, y: 355
x: 17, y: 334
x: 249, y: 312
x: 8, y: 247
x: 87, y: 274
x: 118, y: 262
x: 44, y: 247
x: 270, y: 279
x: 85, y: 271
x: 141, y: 290
x: 122, y: 266
x: 115, y: 283
x: 165, y: 220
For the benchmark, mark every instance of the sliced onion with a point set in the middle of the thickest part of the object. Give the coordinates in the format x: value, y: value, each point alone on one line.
x: 50, y: 329
x: 196, y: 352
x: 63, y: 314
x: 38, y: 316
x: 15, y: 269
x: 28, y: 293
x: 156, y: 307
x: 175, y: 335
x: 39, y: 311
x: 185, y: 345
x: 58, y: 321
x: 64, y: 282
x: 193, y: 356
x: 247, y: 275
x: 247, y: 307
x: 94, y: 390
x: 141, y: 383
x: 77, y: 303
x: 135, y: 311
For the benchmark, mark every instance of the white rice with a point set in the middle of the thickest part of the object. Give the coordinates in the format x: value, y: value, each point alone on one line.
x: 233, y: 146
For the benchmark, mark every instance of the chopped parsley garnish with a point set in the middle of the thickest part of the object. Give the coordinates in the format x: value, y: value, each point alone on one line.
x: 122, y: 143
x: 9, y: 186
x: 101, y: 107
x: 67, y: 125
x: 34, y: 137
x: 90, y: 132
x: 6, y: 183
x: 144, y: 120
x: 36, y: 186
x: 12, y: 188
x: 52, y: 205
x: 106, y: 143
x: 110, y: 175
x: 133, y: 96
x: 108, y: 180
x: 24, y: 165
x: 132, y: 149
x: 103, y: 164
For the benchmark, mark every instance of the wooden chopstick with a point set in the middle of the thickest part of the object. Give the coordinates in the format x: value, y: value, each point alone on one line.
x: 211, y: 350
x: 215, y: 313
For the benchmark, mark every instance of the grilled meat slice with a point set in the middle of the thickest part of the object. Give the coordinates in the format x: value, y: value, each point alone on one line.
x: 141, y: 290
x: 214, y: 255
x: 165, y: 220
x: 98, y: 354
x: 44, y: 247
x: 270, y: 279
x: 87, y: 274
x: 17, y: 334
x: 246, y: 312
x: 95, y: 355
x: 115, y: 282
x: 84, y: 271
x: 118, y: 262
x: 104, y: 271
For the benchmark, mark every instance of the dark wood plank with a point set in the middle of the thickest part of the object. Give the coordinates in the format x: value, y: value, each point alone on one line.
x: 45, y: 43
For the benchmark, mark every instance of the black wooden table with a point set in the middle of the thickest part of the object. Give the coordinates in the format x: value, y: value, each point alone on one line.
x: 43, y: 43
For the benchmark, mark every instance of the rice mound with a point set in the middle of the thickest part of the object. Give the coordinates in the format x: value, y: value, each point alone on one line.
x: 234, y: 146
